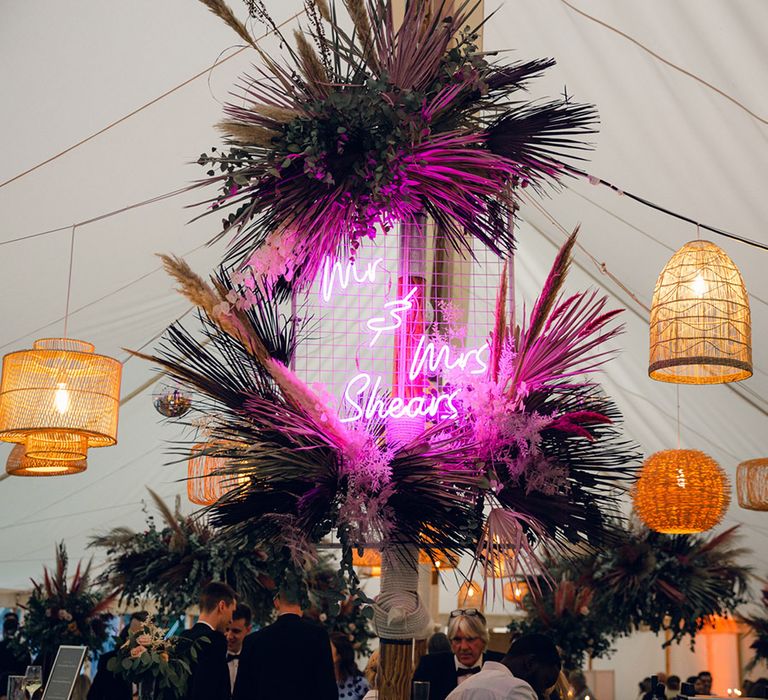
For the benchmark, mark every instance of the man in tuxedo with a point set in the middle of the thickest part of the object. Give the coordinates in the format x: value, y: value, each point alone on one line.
x: 468, y: 635
x: 527, y: 672
x: 236, y: 633
x: 210, y: 675
x: 290, y: 659
x: 107, y: 685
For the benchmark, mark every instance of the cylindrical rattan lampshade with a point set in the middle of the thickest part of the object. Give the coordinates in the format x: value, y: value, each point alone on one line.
x: 369, y: 562
x: 59, y: 398
x: 439, y: 559
x: 700, y: 328
x: 752, y: 484
x: 18, y: 464
x: 681, y: 491
x: 205, y: 483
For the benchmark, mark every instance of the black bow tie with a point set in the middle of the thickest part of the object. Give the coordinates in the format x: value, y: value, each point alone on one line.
x: 233, y: 657
x: 467, y: 671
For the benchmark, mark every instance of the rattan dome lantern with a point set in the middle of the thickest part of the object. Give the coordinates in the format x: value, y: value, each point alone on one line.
x: 205, y: 482
x: 470, y: 595
x: 369, y: 562
x: 681, y: 492
x: 752, y: 484
x: 19, y: 464
x: 59, y: 399
x: 515, y: 591
x: 700, y: 327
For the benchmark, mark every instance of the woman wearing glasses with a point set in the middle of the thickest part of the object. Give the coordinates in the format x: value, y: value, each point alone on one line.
x: 468, y: 634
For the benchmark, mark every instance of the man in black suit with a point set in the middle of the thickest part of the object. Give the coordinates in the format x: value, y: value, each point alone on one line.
x: 237, y: 631
x: 14, y: 655
x: 210, y: 674
x: 290, y: 659
x: 107, y: 685
x: 468, y: 634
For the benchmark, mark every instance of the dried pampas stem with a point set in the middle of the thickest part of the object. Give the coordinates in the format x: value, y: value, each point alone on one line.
x: 222, y: 10
x: 322, y: 8
x: 248, y: 133
x: 359, y: 15
x: 311, y: 65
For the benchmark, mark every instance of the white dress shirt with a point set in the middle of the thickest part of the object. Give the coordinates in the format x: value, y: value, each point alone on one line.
x: 494, y: 682
x: 232, y: 666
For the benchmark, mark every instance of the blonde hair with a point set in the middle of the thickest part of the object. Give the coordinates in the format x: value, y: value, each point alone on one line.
x: 372, y: 671
x: 473, y: 625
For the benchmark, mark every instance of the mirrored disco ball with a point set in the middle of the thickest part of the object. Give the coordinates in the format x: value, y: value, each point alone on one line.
x: 171, y: 400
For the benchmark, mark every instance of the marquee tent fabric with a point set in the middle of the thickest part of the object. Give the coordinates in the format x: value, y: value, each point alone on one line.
x: 680, y: 88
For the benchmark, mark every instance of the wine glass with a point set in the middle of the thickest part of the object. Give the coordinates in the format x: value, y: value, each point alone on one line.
x: 33, y: 680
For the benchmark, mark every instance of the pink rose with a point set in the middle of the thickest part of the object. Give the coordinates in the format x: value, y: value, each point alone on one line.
x: 136, y: 652
x: 144, y: 639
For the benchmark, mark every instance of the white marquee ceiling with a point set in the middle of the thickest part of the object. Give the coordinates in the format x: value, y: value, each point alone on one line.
x: 69, y: 69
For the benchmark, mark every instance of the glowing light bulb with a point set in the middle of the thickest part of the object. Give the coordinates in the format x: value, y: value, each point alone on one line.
x: 680, y: 478
x: 518, y: 591
x: 61, y: 398
x: 699, y: 286
x: 470, y: 593
x: 437, y: 564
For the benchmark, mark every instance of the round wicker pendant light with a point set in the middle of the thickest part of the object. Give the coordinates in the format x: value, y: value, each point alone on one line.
x: 369, y: 562
x: 19, y: 464
x: 205, y: 482
x: 59, y: 399
x: 515, y: 591
x: 752, y: 484
x: 681, y: 491
x: 470, y: 595
x: 700, y: 327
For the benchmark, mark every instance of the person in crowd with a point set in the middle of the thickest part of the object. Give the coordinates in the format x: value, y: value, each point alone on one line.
x: 527, y: 672
x: 645, y: 687
x: 581, y: 690
x: 372, y: 676
x: 14, y: 656
x: 237, y: 630
x: 107, y: 685
x: 706, y: 683
x: 746, y: 688
x: 438, y: 643
x: 468, y: 635
x: 289, y: 659
x: 82, y: 688
x: 759, y: 688
x: 351, y: 683
x: 673, y: 687
x: 210, y: 674
x: 699, y: 685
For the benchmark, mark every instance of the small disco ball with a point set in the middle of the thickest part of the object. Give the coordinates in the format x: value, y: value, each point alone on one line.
x: 171, y: 400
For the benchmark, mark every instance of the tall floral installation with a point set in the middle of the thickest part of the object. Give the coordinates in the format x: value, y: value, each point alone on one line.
x: 671, y: 584
x: 354, y: 138
x: 64, y: 611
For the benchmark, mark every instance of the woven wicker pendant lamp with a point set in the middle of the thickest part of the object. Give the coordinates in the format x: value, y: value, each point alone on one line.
x: 470, y: 595
x: 440, y: 560
x: 700, y: 326
x: 369, y: 562
x: 205, y: 482
x: 681, y: 492
x: 59, y: 399
x: 515, y: 591
x: 752, y: 484
x: 18, y: 464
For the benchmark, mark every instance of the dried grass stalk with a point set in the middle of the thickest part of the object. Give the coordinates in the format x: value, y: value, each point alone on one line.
x: 311, y: 66
x: 359, y: 15
x: 248, y: 133
x: 222, y: 10
x: 322, y: 8
x: 283, y: 115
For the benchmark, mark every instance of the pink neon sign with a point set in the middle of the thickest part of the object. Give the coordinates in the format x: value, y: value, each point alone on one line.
x: 430, y: 359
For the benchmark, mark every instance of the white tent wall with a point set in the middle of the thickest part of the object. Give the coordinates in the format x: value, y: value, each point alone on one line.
x: 69, y: 69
